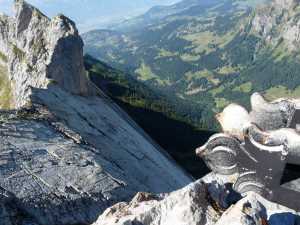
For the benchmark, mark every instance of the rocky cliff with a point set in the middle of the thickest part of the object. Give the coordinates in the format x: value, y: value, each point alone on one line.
x: 67, y: 152
x: 39, y: 51
x: 278, y: 23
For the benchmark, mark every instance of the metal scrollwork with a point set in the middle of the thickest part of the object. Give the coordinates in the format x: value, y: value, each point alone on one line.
x: 257, y: 162
x: 220, y: 154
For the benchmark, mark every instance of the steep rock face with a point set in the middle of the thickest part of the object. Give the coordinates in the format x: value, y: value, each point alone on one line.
x: 71, y: 152
x: 39, y: 51
x: 58, y: 178
x: 278, y: 22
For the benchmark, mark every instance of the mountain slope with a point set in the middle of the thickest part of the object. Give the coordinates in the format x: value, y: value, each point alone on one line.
x: 154, y: 113
x: 67, y: 152
x: 158, y: 13
x: 210, y: 55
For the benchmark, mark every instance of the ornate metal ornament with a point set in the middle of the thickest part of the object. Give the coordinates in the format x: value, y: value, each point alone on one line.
x: 258, y: 163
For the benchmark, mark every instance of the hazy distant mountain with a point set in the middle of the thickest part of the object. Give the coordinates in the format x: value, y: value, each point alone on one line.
x: 159, y: 12
x: 91, y: 14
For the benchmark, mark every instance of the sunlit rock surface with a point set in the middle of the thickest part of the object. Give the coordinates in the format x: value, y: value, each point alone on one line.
x: 39, y: 51
x: 188, y: 206
x: 200, y: 203
x: 68, y: 152
x: 59, y: 176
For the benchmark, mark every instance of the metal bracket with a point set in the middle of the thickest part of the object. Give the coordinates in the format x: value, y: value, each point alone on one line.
x: 259, y: 168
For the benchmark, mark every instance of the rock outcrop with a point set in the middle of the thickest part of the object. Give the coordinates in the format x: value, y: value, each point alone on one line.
x: 67, y: 152
x: 255, y: 210
x: 39, y: 51
x: 278, y: 23
x: 207, y: 201
x: 184, y: 207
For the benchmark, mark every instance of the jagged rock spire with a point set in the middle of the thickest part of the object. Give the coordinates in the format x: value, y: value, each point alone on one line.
x: 41, y: 51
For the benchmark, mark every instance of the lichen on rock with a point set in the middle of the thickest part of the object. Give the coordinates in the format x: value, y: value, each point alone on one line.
x: 6, y: 97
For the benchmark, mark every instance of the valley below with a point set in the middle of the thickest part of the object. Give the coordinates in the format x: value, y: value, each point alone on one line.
x: 177, y: 66
x: 203, y: 55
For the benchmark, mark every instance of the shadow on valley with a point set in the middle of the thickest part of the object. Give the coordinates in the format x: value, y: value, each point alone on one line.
x: 178, y: 138
x: 159, y: 118
x: 154, y: 113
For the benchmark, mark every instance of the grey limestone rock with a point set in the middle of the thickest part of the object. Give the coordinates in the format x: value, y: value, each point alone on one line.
x: 68, y: 152
x: 188, y: 206
x: 255, y: 210
x: 39, y: 51
x: 58, y: 175
x: 277, y: 23
x: 200, y: 203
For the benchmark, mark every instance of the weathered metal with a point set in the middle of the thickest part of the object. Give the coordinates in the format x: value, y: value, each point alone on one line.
x: 256, y: 165
x: 225, y: 155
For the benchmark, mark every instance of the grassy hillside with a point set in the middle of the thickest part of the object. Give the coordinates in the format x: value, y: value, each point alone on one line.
x: 6, y: 101
x: 205, y: 55
x: 153, y: 113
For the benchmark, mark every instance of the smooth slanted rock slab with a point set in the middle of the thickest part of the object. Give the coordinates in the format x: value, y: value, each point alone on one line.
x: 57, y: 177
x: 102, y: 124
